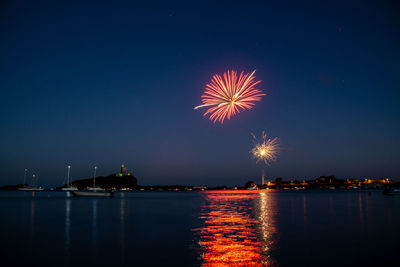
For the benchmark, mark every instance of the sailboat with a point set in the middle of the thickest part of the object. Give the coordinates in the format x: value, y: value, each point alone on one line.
x: 93, y: 191
x: 26, y: 187
x: 69, y: 186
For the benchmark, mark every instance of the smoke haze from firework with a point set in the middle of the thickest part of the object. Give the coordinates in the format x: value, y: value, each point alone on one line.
x: 229, y: 94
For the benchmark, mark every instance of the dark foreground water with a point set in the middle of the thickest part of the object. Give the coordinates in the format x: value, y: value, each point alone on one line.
x: 236, y: 228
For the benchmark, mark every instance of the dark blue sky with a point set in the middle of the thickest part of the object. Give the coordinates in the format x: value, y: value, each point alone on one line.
x: 106, y: 83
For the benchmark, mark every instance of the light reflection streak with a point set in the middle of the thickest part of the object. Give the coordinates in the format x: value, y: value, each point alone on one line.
x: 67, y: 231
x: 331, y: 211
x: 94, y: 224
x: 266, y: 217
x: 237, y: 228
x: 94, y: 231
x: 32, y: 218
x: 367, y: 207
x: 305, y: 212
x: 360, y: 206
x: 122, y: 210
x: 31, y: 225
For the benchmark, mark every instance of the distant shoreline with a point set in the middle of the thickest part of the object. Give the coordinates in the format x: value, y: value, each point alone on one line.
x: 119, y: 182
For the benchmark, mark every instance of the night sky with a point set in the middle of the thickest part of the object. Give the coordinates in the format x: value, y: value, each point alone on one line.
x: 106, y: 83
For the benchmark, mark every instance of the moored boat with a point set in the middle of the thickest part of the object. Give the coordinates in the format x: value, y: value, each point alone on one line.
x: 69, y: 186
x: 102, y: 193
x: 391, y: 191
x: 93, y: 191
x: 26, y: 187
x: 30, y: 188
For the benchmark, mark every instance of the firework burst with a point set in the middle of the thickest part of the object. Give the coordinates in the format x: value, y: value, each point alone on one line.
x: 229, y: 94
x: 267, y: 150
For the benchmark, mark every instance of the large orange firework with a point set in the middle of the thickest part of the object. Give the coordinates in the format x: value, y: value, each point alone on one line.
x: 229, y: 94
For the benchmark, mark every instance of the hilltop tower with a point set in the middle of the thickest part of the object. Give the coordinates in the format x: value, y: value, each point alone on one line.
x: 123, y: 170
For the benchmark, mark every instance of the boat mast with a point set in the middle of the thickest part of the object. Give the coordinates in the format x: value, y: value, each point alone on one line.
x: 25, y: 176
x: 68, y: 182
x: 94, y: 176
x: 33, y: 179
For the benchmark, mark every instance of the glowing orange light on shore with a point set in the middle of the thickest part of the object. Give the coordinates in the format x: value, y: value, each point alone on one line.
x: 229, y: 94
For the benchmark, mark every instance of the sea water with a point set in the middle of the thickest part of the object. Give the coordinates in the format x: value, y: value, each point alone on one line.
x: 210, y: 228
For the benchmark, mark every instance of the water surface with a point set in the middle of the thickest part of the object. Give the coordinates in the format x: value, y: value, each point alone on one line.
x: 214, y: 228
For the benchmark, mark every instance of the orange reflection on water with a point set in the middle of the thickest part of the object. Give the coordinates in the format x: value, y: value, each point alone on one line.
x: 234, y: 231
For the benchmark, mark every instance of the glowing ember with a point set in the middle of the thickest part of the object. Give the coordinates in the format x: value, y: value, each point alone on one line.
x: 267, y: 150
x: 229, y: 94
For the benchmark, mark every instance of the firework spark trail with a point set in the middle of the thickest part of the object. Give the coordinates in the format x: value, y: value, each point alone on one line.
x: 267, y: 150
x: 229, y: 94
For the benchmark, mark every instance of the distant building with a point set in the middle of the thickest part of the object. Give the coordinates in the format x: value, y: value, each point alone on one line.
x: 123, y: 172
x: 123, y: 169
